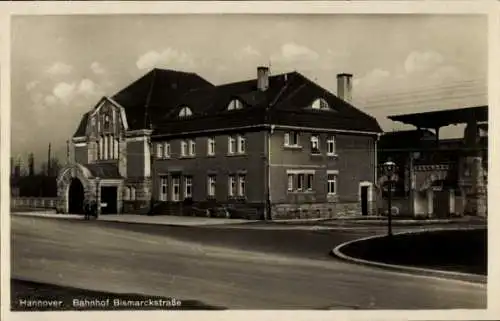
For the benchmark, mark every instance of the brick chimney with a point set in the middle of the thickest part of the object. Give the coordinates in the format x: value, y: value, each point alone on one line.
x: 344, y: 87
x: 262, y: 78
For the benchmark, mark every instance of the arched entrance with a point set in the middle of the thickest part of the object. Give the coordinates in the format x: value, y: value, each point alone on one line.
x: 73, y: 187
x: 76, y: 196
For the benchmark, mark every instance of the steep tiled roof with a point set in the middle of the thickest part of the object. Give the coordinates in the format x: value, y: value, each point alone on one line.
x: 287, y: 98
x: 152, y: 96
x: 80, y: 131
x: 156, y: 98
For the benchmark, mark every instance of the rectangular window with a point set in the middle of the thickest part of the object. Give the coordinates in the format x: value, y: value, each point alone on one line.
x: 212, y: 180
x: 192, y: 147
x: 310, y: 182
x: 166, y: 150
x: 184, y: 148
x: 300, y: 182
x: 332, y: 184
x: 211, y: 147
x: 315, y: 144
x: 232, y: 185
x: 290, y: 182
x: 292, y: 139
x: 331, y: 145
x: 159, y: 150
x: 231, y: 145
x: 163, y: 188
x: 176, y: 188
x: 241, y: 144
x: 188, y: 187
x: 241, y: 187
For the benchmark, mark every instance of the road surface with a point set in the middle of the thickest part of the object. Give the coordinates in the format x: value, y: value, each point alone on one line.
x: 230, y: 267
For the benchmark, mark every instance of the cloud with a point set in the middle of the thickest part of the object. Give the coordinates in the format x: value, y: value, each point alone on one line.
x: 446, y: 73
x: 338, y: 54
x: 64, y: 92
x: 50, y: 100
x: 89, y: 89
x: 32, y: 85
x: 422, y: 61
x: 375, y: 77
x: 59, y: 68
x: 292, y: 52
x: 36, y: 98
x: 169, y: 57
x: 68, y: 93
x: 247, y: 52
x: 97, y: 68
x: 419, y: 69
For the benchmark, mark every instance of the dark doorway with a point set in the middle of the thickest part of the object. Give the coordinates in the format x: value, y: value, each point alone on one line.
x: 364, y: 200
x: 76, y: 196
x: 109, y: 200
x: 440, y: 200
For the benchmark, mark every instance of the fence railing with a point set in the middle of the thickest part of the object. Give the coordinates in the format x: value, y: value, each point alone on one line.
x: 33, y: 202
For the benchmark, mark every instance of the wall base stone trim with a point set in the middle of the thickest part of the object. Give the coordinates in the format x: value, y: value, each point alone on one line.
x: 316, y: 210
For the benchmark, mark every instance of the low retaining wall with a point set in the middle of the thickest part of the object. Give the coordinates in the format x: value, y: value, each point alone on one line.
x: 319, y: 210
x: 33, y: 202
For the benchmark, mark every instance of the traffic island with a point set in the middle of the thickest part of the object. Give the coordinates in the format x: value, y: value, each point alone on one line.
x: 36, y: 296
x: 458, y: 253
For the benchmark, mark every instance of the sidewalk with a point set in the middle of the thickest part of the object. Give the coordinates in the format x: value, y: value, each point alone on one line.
x: 315, y: 224
x: 142, y: 219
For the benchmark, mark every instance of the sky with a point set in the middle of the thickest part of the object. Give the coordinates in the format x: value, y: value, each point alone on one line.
x: 62, y: 65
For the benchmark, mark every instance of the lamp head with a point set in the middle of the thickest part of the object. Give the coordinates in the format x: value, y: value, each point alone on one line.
x: 389, y: 167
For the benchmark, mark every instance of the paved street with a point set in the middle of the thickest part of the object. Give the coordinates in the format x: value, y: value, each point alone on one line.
x: 234, y: 266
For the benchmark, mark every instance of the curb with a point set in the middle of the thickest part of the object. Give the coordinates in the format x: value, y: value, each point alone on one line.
x: 14, y: 211
x: 52, y: 215
x: 465, y: 277
x: 46, y: 214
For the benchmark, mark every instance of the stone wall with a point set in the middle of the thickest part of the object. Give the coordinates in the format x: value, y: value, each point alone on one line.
x: 122, y: 159
x: 33, y: 202
x: 317, y: 210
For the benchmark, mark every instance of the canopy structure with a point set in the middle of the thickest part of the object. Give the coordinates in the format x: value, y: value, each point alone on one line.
x: 442, y: 118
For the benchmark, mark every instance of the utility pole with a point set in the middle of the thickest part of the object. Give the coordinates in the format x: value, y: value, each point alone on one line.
x: 48, y: 162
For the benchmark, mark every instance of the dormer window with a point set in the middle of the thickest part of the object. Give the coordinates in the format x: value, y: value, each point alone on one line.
x: 185, y: 112
x: 320, y: 103
x: 235, y: 104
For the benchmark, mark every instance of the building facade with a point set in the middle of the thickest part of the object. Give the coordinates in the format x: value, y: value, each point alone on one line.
x: 440, y: 177
x: 274, y: 147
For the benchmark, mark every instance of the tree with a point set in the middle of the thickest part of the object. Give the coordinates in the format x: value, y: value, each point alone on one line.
x: 31, y: 165
x: 55, y: 167
x: 17, y: 168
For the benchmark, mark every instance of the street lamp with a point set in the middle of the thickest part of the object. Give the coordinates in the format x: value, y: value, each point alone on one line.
x: 97, y: 198
x: 389, y: 169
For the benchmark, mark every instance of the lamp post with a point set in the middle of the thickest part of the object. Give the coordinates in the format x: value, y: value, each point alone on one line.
x: 97, y: 196
x: 389, y: 168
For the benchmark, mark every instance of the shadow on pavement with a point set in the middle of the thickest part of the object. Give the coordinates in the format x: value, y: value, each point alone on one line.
x: 35, y: 296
